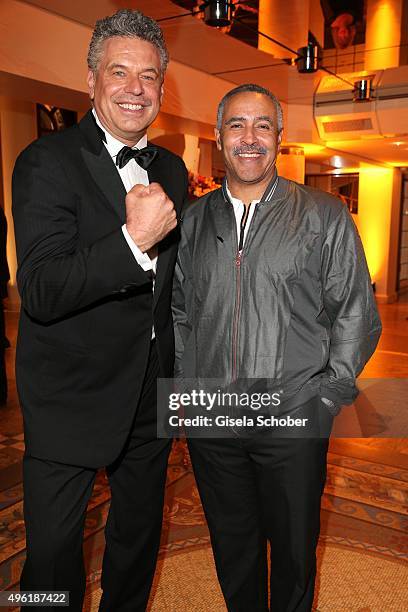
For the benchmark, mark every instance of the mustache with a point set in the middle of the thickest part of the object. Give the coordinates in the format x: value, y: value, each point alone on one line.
x: 249, y: 149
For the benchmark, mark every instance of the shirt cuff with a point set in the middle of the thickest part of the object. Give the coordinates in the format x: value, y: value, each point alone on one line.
x: 142, y: 258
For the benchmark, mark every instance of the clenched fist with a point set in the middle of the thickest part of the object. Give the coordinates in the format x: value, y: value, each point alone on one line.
x: 150, y: 215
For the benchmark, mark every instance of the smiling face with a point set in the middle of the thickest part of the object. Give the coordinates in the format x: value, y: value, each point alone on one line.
x: 249, y: 140
x: 127, y: 87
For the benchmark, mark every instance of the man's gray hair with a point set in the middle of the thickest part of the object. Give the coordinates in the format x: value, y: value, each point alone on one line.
x: 131, y: 24
x: 256, y: 89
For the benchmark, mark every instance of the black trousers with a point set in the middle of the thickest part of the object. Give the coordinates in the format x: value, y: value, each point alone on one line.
x: 55, y: 501
x: 261, y: 489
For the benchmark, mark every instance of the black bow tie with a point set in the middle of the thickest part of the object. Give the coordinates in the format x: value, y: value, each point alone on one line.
x: 143, y: 157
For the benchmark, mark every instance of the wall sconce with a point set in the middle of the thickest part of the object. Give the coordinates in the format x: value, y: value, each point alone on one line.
x: 217, y: 13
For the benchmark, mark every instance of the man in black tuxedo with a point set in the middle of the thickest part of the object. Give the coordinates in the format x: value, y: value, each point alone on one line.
x: 93, y: 219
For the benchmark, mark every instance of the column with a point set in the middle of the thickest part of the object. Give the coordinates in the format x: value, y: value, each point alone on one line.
x: 18, y: 127
x: 288, y: 25
x: 205, y: 165
x: 383, y: 32
x: 291, y: 163
x: 191, y: 155
x: 378, y: 219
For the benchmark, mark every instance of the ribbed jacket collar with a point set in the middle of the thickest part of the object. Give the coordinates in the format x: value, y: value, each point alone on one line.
x: 275, y: 188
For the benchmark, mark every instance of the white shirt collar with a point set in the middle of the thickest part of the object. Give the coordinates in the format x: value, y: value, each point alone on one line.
x: 235, y: 201
x: 112, y: 144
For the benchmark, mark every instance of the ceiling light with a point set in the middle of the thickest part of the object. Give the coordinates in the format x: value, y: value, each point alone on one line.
x: 217, y: 13
x: 362, y: 91
x: 308, y: 59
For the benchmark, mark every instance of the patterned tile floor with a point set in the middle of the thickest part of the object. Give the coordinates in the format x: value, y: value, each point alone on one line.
x: 364, y: 508
x: 16, y: 441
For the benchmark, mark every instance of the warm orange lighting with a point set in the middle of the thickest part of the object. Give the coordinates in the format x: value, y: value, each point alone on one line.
x: 312, y: 149
x: 383, y: 34
x: 374, y: 213
x: 292, y: 30
x: 291, y: 163
x: 308, y: 147
x: 351, y: 170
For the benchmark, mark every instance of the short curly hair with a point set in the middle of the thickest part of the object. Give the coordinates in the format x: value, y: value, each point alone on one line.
x: 128, y: 23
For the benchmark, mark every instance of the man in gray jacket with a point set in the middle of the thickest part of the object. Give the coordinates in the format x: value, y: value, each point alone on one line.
x: 271, y: 284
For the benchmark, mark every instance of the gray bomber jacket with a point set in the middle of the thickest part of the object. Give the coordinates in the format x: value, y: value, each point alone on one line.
x: 296, y: 307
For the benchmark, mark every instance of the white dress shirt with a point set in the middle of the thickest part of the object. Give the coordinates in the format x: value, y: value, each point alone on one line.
x: 239, y: 211
x: 131, y: 174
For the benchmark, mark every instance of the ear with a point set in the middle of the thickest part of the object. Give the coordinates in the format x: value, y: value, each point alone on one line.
x: 218, y: 139
x: 91, y: 84
x: 280, y: 139
x: 161, y: 93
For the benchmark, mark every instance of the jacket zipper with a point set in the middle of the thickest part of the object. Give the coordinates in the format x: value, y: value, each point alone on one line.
x: 236, y: 316
x: 237, y: 310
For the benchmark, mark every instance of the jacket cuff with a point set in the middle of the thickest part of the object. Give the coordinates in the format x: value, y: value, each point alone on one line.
x: 338, y: 391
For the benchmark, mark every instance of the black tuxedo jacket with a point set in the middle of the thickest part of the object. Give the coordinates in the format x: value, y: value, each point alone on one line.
x: 87, y: 306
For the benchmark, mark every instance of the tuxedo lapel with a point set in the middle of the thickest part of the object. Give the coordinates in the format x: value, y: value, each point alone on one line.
x: 107, y: 178
x: 100, y: 165
x: 157, y: 173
